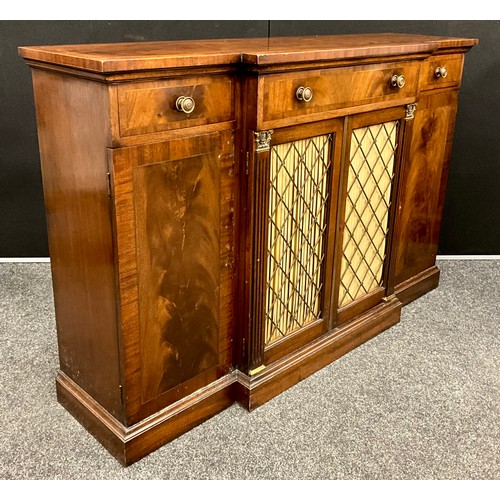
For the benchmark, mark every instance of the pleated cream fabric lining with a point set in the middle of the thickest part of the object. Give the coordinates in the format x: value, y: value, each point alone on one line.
x: 297, y: 224
x: 371, y: 171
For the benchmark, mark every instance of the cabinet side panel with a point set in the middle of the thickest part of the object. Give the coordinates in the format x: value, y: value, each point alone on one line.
x: 73, y: 130
x: 423, y: 184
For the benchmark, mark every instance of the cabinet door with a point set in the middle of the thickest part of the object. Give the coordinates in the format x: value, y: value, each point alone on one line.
x: 421, y: 194
x: 173, y: 206
x: 367, y: 194
x: 294, y: 183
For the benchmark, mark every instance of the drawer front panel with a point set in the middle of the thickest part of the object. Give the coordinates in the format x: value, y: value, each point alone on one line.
x: 150, y: 107
x: 453, y: 64
x: 335, y: 89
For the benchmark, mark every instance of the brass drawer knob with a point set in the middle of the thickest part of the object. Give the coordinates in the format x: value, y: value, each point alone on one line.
x: 304, y: 94
x: 398, y: 81
x: 185, y: 104
x: 441, y: 72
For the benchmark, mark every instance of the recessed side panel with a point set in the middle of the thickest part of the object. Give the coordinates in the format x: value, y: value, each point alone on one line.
x: 73, y: 132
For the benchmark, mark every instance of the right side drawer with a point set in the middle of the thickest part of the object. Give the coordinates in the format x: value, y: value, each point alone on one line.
x: 431, y: 74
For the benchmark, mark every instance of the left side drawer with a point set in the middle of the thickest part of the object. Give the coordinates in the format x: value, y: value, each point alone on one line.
x: 149, y: 107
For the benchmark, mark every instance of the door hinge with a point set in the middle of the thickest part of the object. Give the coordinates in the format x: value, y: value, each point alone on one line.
x: 247, y: 162
x: 121, y: 395
x: 108, y: 174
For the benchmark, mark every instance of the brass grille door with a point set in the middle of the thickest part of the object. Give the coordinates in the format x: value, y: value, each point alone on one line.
x: 298, y: 201
x: 294, y: 179
x: 369, y: 180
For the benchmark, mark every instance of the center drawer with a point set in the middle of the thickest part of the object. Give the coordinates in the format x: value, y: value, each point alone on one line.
x: 332, y: 89
x: 149, y: 107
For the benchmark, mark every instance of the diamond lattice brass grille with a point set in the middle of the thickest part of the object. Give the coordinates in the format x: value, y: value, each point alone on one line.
x: 298, y: 200
x: 369, y: 183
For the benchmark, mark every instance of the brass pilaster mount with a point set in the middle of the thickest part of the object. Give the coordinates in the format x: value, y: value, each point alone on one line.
x: 389, y: 298
x: 263, y: 140
x: 410, y: 111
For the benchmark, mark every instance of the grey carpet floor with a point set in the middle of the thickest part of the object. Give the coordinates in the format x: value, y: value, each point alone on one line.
x: 420, y: 401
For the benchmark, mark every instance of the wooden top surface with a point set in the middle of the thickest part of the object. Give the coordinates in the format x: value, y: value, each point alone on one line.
x: 119, y: 57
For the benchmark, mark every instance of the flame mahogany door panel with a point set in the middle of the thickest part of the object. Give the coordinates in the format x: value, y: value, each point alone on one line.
x: 173, y: 205
x: 422, y: 191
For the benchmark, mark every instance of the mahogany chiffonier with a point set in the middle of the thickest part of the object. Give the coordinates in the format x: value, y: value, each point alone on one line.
x: 226, y: 217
